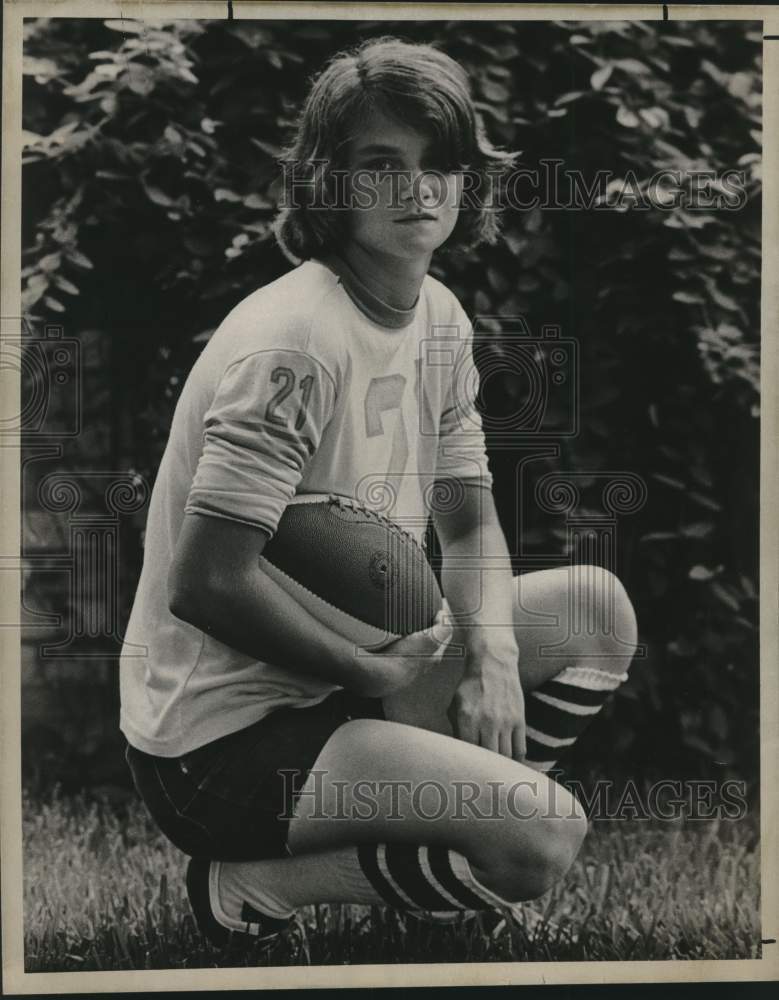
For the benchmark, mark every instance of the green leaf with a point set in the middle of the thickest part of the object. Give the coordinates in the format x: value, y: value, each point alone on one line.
x: 571, y: 95
x: 252, y: 34
x: 654, y: 117
x: 42, y: 69
x: 724, y: 596
x: 126, y: 26
x: 740, y: 85
x: 534, y: 220
x: 34, y: 289
x: 224, y: 194
x: 704, y: 501
x: 714, y: 72
x: 109, y: 70
x: 688, y: 298
x: 257, y: 201
x: 187, y: 75
x: 266, y: 147
x: 627, y: 117
x: 722, y: 300
x: 633, y: 66
x: 173, y: 136
x: 600, y: 76
x: 494, y: 91
x: 50, y: 262
x: 675, y: 484
x: 65, y: 285
x: 717, y: 252
x: 140, y: 80
x: 699, y: 529
x: 157, y: 195
x: 79, y: 259
x: 702, y: 573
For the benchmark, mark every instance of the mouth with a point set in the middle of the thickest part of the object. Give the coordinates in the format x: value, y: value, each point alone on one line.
x: 422, y: 217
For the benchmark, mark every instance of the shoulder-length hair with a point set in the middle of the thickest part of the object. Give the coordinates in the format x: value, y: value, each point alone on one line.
x: 415, y: 84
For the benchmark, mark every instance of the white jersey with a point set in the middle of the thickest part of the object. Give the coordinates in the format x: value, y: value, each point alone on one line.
x: 310, y: 385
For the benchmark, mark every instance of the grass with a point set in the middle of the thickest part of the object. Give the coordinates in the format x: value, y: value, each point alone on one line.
x: 104, y: 890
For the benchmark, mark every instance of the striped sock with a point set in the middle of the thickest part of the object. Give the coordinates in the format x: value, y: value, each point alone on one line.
x: 406, y: 876
x: 559, y: 711
x: 414, y: 877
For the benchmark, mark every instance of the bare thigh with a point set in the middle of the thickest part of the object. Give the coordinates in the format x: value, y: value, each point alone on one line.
x: 542, y: 610
x: 377, y: 781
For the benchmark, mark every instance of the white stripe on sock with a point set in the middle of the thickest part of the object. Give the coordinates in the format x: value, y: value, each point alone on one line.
x: 566, y: 706
x: 590, y: 678
x: 424, y: 864
x: 462, y: 871
x: 381, y: 861
x: 549, y: 741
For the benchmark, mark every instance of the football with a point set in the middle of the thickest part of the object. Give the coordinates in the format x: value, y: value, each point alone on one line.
x: 353, y: 569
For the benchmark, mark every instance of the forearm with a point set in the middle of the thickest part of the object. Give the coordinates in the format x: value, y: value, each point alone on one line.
x: 257, y: 617
x: 477, y: 580
x: 488, y: 705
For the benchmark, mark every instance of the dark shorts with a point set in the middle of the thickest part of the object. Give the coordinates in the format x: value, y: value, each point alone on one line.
x: 232, y: 799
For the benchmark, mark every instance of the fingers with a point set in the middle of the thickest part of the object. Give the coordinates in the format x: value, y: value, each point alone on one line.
x: 467, y: 731
x: 463, y: 725
x: 505, y: 747
x: 519, y: 743
x: 440, y: 632
x: 482, y: 734
x: 490, y: 738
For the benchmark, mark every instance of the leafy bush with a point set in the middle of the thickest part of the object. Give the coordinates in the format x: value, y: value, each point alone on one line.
x: 150, y: 182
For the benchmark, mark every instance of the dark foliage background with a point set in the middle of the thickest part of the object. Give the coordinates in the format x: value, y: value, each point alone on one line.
x: 149, y: 187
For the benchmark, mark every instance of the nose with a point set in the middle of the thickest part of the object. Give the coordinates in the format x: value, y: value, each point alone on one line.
x: 422, y: 188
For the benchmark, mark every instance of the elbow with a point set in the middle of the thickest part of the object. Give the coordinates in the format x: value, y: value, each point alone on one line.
x: 180, y: 601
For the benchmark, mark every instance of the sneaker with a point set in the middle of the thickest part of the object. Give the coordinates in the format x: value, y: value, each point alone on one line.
x: 259, y: 927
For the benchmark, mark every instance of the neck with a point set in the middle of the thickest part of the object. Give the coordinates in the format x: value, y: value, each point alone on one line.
x: 392, y: 279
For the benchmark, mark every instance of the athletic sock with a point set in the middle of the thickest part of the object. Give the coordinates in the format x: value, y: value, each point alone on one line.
x: 558, y: 711
x: 414, y: 877
x: 404, y: 876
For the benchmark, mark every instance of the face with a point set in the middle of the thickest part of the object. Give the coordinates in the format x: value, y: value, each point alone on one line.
x: 404, y: 203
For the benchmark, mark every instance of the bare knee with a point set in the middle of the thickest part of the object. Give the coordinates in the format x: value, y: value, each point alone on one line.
x: 605, y: 605
x: 555, y: 855
x: 625, y: 621
x: 535, y: 860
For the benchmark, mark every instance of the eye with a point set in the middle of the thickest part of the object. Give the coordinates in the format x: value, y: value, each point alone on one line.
x: 382, y: 164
